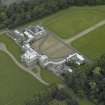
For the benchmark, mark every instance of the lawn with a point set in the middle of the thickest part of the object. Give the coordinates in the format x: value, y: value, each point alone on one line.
x: 50, y: 77
x: 11, y: 45
x: 69, y: 22
x: 92, y: 45
x: 16, y: 86
x: 81, y: 102
x: 85, y: 102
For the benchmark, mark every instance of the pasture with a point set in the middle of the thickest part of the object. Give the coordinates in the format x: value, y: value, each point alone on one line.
x: 93, y: 44
x: 16, y: 86
x: 85, y: 102
x: 11, y: 46
x: 70, y: 22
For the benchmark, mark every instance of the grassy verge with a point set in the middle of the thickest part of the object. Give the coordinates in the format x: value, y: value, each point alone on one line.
x: 11, y: 46
x: 92, y: 45
x: 50, y: 77
x: 85, y: 102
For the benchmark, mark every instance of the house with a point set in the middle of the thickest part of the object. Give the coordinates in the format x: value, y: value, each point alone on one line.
x: 29, y: 36
x: 30, y: 57
x: 38, y: 31
x: 76, y: 58
x: 34, y: 33
x: 26, y: 47
x: 18, y: 36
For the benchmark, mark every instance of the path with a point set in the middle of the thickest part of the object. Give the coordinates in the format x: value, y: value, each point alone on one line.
x: 85, y: 32
x: 38, y: 77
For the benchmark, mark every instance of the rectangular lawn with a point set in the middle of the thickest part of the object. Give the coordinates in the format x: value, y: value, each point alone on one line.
x: 92, y: 45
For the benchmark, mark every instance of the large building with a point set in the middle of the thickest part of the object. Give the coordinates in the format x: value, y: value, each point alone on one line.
x: 29, y: 34
x: 31, y: 57
x: 18, y: 36
x: 34, y: 33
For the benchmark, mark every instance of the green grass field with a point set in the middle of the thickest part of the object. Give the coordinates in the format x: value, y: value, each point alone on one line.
x: 69, y: 22
x: 16, y: 86
x: 11, y: 46
x: 50, y: 77
x: 85, y: 102
x: 92, y: 45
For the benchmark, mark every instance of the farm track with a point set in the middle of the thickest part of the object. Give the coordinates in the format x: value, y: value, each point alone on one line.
x: 85, y: 32
x: 35, y: 75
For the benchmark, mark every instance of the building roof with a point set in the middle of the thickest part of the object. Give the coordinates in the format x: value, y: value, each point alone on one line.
x: 26, y: 46
x: 30, y: 36
x: 79, y: 59
x: 30, y: 55
x: 38, y: 30
x: 18, y: 33
x: 77, y: 56
x: 70, y: 70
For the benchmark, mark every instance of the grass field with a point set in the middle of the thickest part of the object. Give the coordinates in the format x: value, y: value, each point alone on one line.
x: 50, y: 77
x: 69, y: 22
x: 92, y: 45
x: 85, y: 102
x: 16, y: 86
x: 11, y: 45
